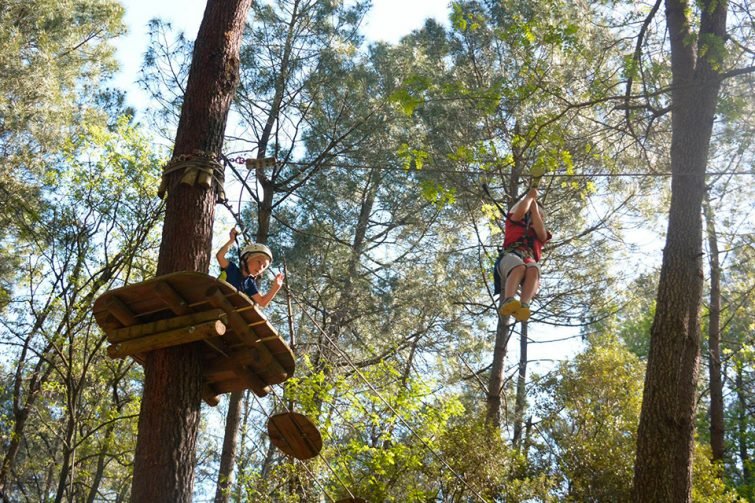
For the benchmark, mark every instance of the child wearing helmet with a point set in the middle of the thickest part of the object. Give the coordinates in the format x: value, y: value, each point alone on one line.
x: 518, y: 266
x: 255, y: 258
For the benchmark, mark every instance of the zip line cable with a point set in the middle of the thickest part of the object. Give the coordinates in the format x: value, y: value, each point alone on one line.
x: 241, y: 160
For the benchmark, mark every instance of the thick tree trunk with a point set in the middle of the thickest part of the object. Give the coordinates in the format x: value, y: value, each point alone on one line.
x: 714, y: 341
x: 665, y: 437
x: 169, y: 416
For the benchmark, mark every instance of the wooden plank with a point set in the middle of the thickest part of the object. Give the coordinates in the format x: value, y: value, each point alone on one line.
x: 246, y: 356
x: 222, y: 368
x: 167, y: 339
x: 241, y: 384
x: 120, y: 311
x: 210, y: 395
x: 258, y: 356
x: 240, y: 327
x: 135, y: 331
x: 295, y: 435
x: 178, y: 305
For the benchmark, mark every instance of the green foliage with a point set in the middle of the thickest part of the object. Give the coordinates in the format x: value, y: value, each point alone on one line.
x: 53, y: 56
x: 75, y: 406
x: 591, y: 413
x: 489, y: 466
x: 707, y: 480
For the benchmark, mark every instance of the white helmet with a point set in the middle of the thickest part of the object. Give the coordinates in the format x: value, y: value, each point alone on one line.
x: 256, y: 248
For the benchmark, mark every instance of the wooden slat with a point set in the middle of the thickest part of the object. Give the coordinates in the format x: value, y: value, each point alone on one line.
x: 243, y: 356
x: 120, y: 311
x: 210, y: 395
x: 142, y: 317
x: 178, y: 305
x: 135, y: 331
x: 240, y: 384
x: 240, y: 327
x: 167, y: 339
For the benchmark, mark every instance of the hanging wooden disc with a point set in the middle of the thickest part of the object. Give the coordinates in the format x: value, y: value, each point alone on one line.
x: 352, y: 500
x: 295, y: 435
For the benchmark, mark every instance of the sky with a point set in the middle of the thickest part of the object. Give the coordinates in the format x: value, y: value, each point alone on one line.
x: 387, y: 21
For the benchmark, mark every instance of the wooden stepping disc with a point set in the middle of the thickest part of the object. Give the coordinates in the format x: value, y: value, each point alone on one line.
x: 295, y: 435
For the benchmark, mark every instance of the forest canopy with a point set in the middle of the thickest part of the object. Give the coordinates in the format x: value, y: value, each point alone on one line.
x: 395, y: 163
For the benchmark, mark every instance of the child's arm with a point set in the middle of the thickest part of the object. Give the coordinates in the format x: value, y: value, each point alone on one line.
x: 264, y: 300
x: 537, y: 223
x: 220, y: 255
x: 522, y: 206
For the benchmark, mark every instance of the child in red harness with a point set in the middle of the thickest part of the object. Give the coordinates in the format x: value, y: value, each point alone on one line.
x: 518, y: 266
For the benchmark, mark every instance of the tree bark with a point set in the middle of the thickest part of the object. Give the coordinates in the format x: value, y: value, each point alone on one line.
x: 169, y: 415
x: 230, y: 442
x: 521, y: 391
x: 743, y: 435
x: 714, y: 341
x: 665, y: 437
x: 496, y: 380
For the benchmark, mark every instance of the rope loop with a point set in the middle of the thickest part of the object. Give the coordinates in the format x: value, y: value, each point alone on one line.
x: 199, y: 168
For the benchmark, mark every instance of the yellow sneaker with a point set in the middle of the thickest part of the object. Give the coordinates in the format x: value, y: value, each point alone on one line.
x: 523, y: 312
x: 509, y: 307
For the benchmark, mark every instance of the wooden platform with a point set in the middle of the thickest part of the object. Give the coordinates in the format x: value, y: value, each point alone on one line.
x: 243, y: 351
x: 295, y: 435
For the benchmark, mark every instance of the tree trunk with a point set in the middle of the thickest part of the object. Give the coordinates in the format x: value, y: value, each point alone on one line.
x: 230, y: 441
x: 714, y: 341
x: 743, y: 435
x: 521, y: 391
x: 665, y: 437
x: 496, y: 381
x: 169, y: 415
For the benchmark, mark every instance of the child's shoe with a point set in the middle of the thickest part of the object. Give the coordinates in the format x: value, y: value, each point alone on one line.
x: 523, y: 313
x: 509, y: 306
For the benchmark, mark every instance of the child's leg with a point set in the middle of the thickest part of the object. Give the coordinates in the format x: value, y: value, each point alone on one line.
x: 511, y: 270
x: 531, y: 284
x: 513, y: 280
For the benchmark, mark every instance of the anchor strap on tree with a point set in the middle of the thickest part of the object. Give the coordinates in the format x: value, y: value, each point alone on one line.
x: 199, y: 168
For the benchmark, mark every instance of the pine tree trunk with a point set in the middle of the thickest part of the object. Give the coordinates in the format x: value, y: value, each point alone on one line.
x: 496, y: 381
x: 714, y: 341
x: 521, y: 390
x: 744, y: 416
x: 230, y: 442
x: 665, y: 437
x: 169, y: 416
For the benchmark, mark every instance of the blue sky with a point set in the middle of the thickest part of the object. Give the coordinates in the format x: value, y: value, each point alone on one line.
x: 388, y: 20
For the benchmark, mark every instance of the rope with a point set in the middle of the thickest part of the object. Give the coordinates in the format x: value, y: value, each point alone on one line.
x: 199, y: 168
